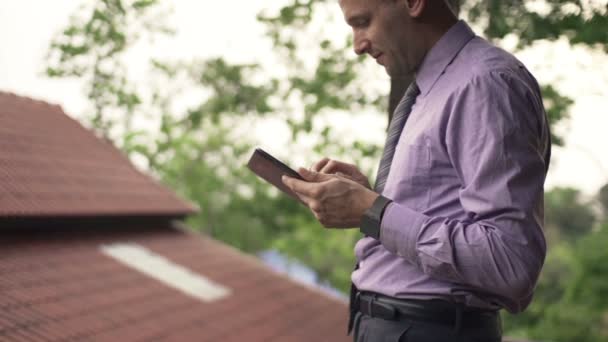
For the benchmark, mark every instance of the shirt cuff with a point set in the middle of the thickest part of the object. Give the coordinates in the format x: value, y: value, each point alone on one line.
x: 399, y: 230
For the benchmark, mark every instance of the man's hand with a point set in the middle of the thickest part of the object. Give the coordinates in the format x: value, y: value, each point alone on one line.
x: 336, y: 201
x: 349, y: 171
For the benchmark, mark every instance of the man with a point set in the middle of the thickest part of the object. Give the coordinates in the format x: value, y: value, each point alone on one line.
x: 454, y: 224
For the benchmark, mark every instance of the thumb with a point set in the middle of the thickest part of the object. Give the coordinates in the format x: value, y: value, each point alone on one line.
x: 312, y: 176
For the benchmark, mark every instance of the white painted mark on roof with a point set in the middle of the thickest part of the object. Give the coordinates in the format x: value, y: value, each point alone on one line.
x: 165, y: 271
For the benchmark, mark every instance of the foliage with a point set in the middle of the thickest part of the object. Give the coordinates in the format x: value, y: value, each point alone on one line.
x: 556, y: 107
x: 603, y: 200
x: 91, y: 48
x: 579, y: 21
x: 567, y: 215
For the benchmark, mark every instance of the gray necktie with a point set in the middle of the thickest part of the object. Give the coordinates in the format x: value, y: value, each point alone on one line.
x: 402, y: 112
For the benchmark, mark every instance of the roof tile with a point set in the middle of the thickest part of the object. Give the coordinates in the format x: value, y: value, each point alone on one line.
x: 52, y: 166
x: 59, y: 286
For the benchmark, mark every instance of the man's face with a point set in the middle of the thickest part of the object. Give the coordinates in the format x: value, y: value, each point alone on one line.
x: 382, y: 29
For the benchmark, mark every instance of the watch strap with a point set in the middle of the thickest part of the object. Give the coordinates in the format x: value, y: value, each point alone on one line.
x: 372, y: 218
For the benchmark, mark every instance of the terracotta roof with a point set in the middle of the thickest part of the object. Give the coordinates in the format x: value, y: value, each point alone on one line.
x: 52, y: 166
x: 59, y: 285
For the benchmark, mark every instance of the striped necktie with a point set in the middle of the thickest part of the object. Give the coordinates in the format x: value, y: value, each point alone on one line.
x: 402, y: 112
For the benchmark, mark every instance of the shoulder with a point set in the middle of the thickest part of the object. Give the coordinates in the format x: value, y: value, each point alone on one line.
x: 492, y: 70
x: 492, y: 85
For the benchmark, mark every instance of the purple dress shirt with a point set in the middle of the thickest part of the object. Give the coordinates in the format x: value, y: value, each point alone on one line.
x: 467, y: 181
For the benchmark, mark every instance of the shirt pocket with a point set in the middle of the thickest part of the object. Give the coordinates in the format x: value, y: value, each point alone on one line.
x: 414, y: 180
x: 417, y: 164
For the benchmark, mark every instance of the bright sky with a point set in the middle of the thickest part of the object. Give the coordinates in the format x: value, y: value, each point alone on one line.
x: 214, y: 28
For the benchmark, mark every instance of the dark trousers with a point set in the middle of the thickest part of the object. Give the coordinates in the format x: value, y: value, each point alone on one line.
x: 372, y: 329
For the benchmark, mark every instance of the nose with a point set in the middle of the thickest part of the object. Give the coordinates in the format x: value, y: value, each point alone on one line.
x: 361, y: 44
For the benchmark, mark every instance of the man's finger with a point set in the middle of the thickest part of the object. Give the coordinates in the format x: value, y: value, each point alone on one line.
x: 327, y: 168
x: 335, y: 166
x: 300, y: 187
x: 311, y: 176
x: 320, y: 164
x: 304, y: 199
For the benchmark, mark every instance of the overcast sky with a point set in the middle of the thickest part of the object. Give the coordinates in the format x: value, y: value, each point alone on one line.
x: 215, y: 28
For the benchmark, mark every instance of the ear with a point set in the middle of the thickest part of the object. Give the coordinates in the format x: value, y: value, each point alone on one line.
x: 416, y: 7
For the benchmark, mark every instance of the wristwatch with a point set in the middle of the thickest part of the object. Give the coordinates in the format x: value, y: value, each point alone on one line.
x: 370, y: 223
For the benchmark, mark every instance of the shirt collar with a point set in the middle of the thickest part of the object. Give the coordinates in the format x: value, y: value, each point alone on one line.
x: 441, y: 55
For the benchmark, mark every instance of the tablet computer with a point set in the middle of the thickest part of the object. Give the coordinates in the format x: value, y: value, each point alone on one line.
x: 271, y: 170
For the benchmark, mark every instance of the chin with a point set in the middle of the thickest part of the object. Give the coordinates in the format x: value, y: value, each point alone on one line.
x: 397, y: 73
x: 389, y: 71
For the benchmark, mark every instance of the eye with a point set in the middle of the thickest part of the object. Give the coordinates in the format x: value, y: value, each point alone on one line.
x: 360, y: 22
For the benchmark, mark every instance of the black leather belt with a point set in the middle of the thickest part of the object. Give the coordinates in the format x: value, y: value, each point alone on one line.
x: 431, y: 311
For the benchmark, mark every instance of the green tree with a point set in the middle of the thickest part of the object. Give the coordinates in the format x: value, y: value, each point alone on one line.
x: 567, y: 216
x: 602, y: 198
x: 92, y: 48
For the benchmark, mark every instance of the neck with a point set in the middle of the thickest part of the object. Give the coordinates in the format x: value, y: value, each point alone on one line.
x: 433, y: 29
x: 436, y: 28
